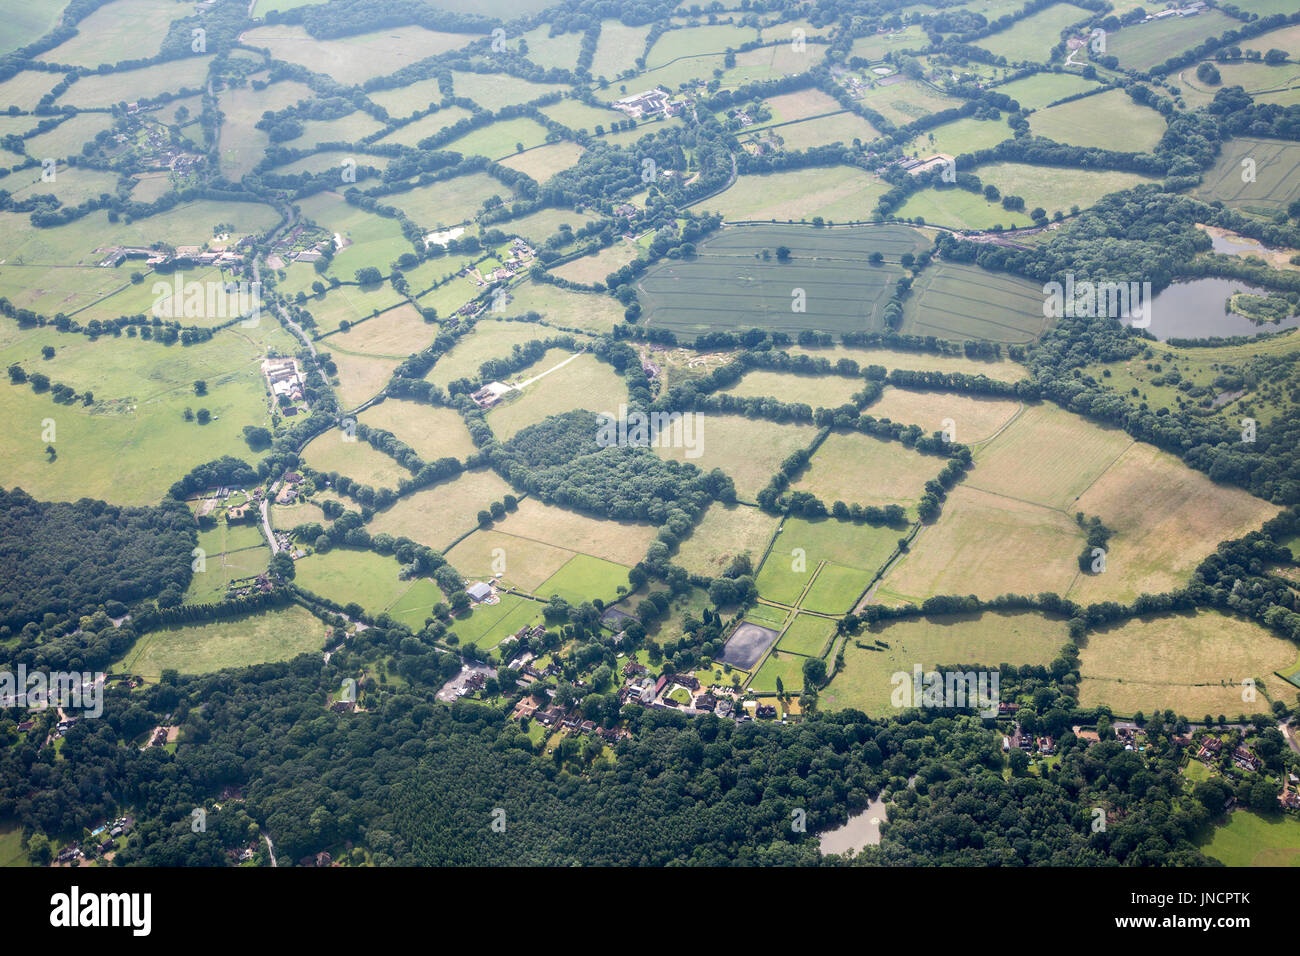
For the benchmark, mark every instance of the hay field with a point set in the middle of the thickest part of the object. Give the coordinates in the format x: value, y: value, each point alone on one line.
x: 749, y: 450
x: 585, y: 382
x: 828, y: 391
x: 725, y: 532
x: 1191, y: 663
x: 433, y: 432
x: 522, y: 563
x: 1110, y: 120
x: 355, y: 459
x: 354, y: 59
x: 974, y: 417
x: 438, y: 515
x: 622, y: 542
x: 837, y: 193
x: 861, y: 469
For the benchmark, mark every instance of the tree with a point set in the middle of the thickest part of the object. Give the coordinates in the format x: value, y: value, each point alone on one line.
x: 814, y: 673
x: 47, y: 351
x: 782, y: 253
x: 204, y: 416
x: 200, y: 387
x: 282, y: 566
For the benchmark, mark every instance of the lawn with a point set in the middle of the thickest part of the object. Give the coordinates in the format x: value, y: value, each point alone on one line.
x: 724, y: 533
x: 230, y: 642
x: 1250, y: 839
x: 989, y: 639
x: 1193, y: 663
x: 1109, y: 120
x: 585, y: 577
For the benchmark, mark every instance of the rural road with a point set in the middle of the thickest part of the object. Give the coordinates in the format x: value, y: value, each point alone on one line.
x: 270, y: 848
x: 266, y: 526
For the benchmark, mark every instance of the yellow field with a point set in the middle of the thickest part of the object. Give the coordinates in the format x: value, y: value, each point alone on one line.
x: 748, y: 449
x: 360, y: 377
x: 623, y: 542
x: 397, y: 333
x: 987, y: 546
x: 433, y: 432
x: 974, y: 417
x: 988, y: 639
x: 1047, y: 456
x: 860, y: 469
x: 1191, y: 663
x: 439, y: 515
x: 356, y: 459
x: 724, y: 532
x: 522, y: 563
x: 595, y: 267
x: 353, y: 59
x: 837, y: 193
x: 1004, y: 370
x: 1166, y: 517
x: 828, y: 391
x: 544, y: 162
x: 585, y: 382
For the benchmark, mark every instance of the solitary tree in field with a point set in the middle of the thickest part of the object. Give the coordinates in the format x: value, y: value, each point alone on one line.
x: 200, y: 387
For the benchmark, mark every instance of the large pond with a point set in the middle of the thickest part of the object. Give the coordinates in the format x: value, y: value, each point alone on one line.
x: 1195, y: 310
x: 863, y: 829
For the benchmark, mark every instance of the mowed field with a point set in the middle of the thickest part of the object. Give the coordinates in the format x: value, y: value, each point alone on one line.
x: 802, y: 548
x: 1191, y: 663
x: 825, y: 391
x: 960, y: 302
x: 1109, y: 120
x: 987, y: 639
x: 729, y: 285
x: 333, y: 452
x: 1276, y: 181
x: 439, y: 515
x: 1036, y: 91
x: 837, y: 194
x: 232, y: 642
x: 748, y: 450
x: 583, y: 381
x: 1250, y: 839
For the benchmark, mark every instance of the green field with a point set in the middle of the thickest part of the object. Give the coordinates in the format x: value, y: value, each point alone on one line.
x: 874, y: 46
x: 230, y: 642
x: 959, y: 137
x: 1250, y: 839
x: 1109, y: 120
x: 989, y: 640
x: 122, y: 30
x: 959, y: 209
x: 486, y: 625
x: 347, y: 575
x: 1031, y: 38
x: 958, y: 302
x: 583, y: 578
x: 727, y: 286
x: 803, y: 545
x: 837, y: 194
x: 806, y: 635
x: 1054, y: 188
x: 1037, y: 91
x: 1145, y: 45
x: 835, y: 589
x: 1276, y: 180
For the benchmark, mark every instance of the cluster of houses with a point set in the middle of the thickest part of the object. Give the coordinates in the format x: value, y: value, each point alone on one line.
x: 654, y: 102
x: 287, y: 491
x: 99, y: 844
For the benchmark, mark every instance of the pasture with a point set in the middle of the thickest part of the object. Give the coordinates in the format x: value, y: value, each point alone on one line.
x: 861, y: 469
x: 837, y: 194
x: 584, y: 382
x: 347, y: 303
x: 488, y: 624
x: 449, y: 202
x: 958, y: 137
x: 1109, y: 120
x: 371, y: 240
x: 696, y: 41
x: 1277, y: 176
x: 359, y: 378
x: 802, y: 545
x: 1031, y: 38
x: 621, y: 542
x: 618, y: 48
x: 584, y: 577
x: 230, y: 642
x: 1037, y: 91
x: 1004, y: 370
x: 749, y: 450
x: 826, y: 391
x: 439, y: 515
x: 723, y: 534
x: 353, y: 59
x: 521, y: 562
x: 903, y: 101
x: 412, y: 133
x: 1166, y: 519
x: 1192, y: 663
x: 500, y: 139
x: 961, y: 302
x: 491, y: 339
x: 971, y: 418
x: 492, y: 91
x: 1048, y: 457
x: 578, y: 116
x: 332, y: 452
x: 117, y: 31
x: 1144, y: 45
x: 728, y: 285
x: 874, y: 46
x: 988, y: 640
x: 958, y: 209
x: 100, y: 91
x: 985, y: 544
x: 597, y: 266
x: 783, y: 665
x: 835, y: 589
x: 543, y: 162
x: 347, y: 575
x: 433, y: 432
x: 402, y: 101
x: 842, y: 127
x: 25, y: 22
x: 1054, y: 188
x: 807, y: 635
